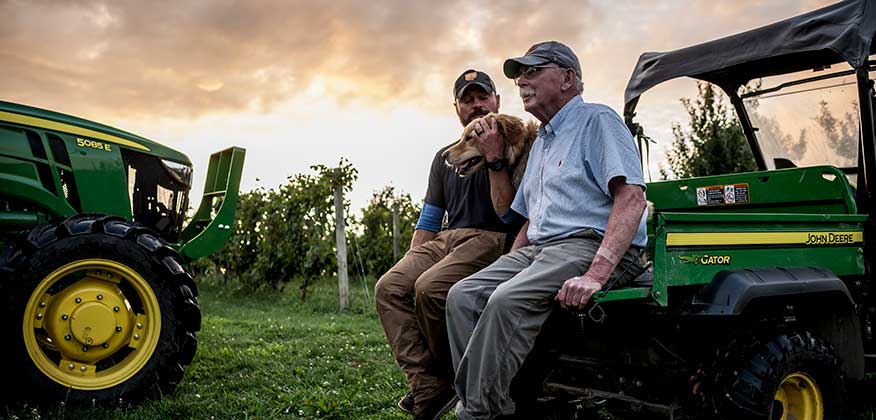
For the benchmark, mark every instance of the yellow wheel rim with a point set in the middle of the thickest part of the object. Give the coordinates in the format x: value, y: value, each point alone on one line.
x: 91, y: 324
x: 798, y: 398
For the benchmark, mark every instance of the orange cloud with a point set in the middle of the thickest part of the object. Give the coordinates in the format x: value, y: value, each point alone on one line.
x: 183, y: 59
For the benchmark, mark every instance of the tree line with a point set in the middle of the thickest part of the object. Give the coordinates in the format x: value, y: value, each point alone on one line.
x: 286, y: 235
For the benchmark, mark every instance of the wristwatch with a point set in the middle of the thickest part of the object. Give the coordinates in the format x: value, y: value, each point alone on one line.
x: 496, y: 165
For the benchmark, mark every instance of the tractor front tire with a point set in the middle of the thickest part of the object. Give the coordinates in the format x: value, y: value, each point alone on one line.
x: 101, y: 309
x: 788, y: 376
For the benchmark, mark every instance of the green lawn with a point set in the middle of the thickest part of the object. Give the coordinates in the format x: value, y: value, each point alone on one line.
x: 267, y: 355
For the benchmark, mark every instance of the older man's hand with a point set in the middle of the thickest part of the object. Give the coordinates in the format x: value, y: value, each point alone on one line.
x: 488, y: 139
x: 577, y: 291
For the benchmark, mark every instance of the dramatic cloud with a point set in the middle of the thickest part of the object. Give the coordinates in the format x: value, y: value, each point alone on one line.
x: 190, y: 58
x: 302, y: 78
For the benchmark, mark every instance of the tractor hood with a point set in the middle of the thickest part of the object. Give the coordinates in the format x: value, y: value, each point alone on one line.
x: 56, y: 121
x: 842, y: 31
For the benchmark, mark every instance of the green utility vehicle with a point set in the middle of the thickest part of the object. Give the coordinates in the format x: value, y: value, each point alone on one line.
x: 761, y: 301
x: 99, y: 305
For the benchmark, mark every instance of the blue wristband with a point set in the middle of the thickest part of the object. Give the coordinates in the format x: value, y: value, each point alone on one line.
x: 430, y: 218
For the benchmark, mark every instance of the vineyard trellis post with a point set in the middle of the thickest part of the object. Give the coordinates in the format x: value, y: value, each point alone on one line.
x: 340, y: 236
x: 395, y: 223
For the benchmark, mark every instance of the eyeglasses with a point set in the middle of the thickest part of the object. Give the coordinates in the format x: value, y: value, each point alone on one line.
x: 528, y: 71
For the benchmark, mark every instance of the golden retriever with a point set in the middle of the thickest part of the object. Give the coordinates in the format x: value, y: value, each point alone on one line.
x: 466, y: 158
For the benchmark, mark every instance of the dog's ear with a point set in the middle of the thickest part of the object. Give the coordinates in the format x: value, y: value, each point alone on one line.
x: 500, y: 125
x: 512, y: 132
x: 504, y: 130
x: 512, y: 151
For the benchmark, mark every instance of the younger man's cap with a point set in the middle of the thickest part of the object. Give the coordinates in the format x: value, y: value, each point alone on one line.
x: 472, y: 77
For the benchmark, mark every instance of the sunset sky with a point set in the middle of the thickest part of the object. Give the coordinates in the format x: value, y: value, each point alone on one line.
x: 304, y: 82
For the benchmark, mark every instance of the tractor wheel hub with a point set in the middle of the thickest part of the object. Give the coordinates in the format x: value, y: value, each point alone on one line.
x: 83, y: 321
x: 92, y: 323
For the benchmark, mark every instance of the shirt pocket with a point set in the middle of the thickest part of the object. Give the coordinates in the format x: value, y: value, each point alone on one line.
x: 564, y: 171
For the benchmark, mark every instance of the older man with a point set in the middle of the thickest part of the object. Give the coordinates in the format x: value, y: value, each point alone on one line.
x: 583, y: 196
x: 411, y: 296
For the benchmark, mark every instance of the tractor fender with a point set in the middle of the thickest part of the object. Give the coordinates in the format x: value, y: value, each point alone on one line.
x: 829, y: 308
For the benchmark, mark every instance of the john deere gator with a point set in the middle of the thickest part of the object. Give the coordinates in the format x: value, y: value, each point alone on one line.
x: 761, y: 298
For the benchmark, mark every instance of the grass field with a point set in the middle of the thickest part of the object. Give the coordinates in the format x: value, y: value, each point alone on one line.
x: 267, y: 355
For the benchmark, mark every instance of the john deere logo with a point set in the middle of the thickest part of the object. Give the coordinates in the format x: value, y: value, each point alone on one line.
x: 830, y: 238
x: 705, y: 259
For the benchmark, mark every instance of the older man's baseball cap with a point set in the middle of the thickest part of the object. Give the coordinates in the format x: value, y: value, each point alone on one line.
x: 472, y: 77
x: 543, y: 53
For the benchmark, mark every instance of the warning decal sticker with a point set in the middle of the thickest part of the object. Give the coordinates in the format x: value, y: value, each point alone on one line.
x: 716, y: 195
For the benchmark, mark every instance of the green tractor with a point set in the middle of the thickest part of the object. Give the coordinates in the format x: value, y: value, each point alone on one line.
x: 100, y: 306
x: 760, y: 302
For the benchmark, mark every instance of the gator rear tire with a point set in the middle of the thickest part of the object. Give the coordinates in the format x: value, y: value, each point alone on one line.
x: 790, y: 376
x: 101, y: 310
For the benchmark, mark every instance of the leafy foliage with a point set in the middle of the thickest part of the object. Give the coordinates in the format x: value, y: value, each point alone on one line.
x: 299, y: 227
x: 242, y: 249
x: 288, y: 233
x: 713, y: 143
x: 375, y: 243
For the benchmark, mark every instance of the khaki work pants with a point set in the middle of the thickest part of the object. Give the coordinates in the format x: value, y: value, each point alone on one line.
x: 410, y: 300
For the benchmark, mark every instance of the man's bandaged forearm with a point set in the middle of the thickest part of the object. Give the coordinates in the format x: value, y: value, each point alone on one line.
x: 608, y: 255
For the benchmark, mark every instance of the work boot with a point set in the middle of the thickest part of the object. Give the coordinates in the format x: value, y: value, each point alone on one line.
x: 406, y: 403
x: 438, y: 406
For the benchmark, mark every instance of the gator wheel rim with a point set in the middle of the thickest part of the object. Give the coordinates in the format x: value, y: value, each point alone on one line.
x: 798, y: 398
x: 91, y: 324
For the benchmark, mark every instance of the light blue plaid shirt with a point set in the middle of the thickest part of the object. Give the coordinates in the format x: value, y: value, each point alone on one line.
x: 565, y: 188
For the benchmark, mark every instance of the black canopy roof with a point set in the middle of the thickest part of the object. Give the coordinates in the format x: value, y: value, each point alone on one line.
x: 840, y: 32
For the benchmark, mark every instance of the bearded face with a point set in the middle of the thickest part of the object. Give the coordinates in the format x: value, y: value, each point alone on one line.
x: 475, y: 102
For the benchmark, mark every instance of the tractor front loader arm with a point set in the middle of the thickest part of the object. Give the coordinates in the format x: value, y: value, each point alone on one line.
x: 211, y: 225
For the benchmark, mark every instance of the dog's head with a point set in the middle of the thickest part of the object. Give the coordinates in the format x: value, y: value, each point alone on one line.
x: 466, y: 158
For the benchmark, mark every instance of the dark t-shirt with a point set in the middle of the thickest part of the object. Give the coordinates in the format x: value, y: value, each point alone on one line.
x: 466, y: 199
